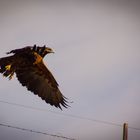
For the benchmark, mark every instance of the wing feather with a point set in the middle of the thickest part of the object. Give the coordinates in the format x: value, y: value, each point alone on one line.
x: 38, y: 79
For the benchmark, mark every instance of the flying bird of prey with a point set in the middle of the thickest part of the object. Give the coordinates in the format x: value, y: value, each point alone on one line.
x: 31, y: 72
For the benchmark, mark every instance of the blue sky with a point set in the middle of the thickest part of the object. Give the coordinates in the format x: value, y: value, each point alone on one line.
x: 96, y: 63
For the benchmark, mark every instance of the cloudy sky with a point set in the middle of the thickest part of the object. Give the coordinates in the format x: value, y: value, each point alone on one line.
x: 96, y: 63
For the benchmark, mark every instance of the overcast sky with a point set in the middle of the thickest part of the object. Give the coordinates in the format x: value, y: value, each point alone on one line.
x: 96, y: 63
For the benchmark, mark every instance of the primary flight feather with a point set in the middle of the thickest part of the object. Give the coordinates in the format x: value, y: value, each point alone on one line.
x: 31, y: 72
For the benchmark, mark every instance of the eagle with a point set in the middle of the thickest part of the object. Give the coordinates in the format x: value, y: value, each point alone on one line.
x: 27, y: 63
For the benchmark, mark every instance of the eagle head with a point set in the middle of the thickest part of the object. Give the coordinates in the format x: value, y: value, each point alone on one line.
x: 42, y: 51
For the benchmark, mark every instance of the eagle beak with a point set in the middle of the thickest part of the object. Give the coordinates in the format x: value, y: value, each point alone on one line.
x: 52, y: 51
x: 49, y: 51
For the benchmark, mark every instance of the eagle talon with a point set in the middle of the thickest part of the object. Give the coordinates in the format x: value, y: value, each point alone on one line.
x: 8, y: 67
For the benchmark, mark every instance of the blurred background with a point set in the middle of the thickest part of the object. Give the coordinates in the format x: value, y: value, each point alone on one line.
x: 96, y: 63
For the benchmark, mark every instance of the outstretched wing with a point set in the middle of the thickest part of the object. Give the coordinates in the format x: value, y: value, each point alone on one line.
x: 38, y: 79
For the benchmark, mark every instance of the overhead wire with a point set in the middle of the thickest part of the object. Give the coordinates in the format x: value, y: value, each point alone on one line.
x: 67, y: 115
x: 34, y: 131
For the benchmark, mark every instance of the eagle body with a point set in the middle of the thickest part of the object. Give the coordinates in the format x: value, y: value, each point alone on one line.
x: 27, y: 63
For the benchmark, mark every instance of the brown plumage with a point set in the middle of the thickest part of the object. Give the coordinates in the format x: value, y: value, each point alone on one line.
x: 31, y: 72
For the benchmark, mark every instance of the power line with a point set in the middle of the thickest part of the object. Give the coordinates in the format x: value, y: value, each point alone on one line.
x: 67, y: 115
x: 62, y: 114
x: 34, y: 131
x: 134, y: 128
